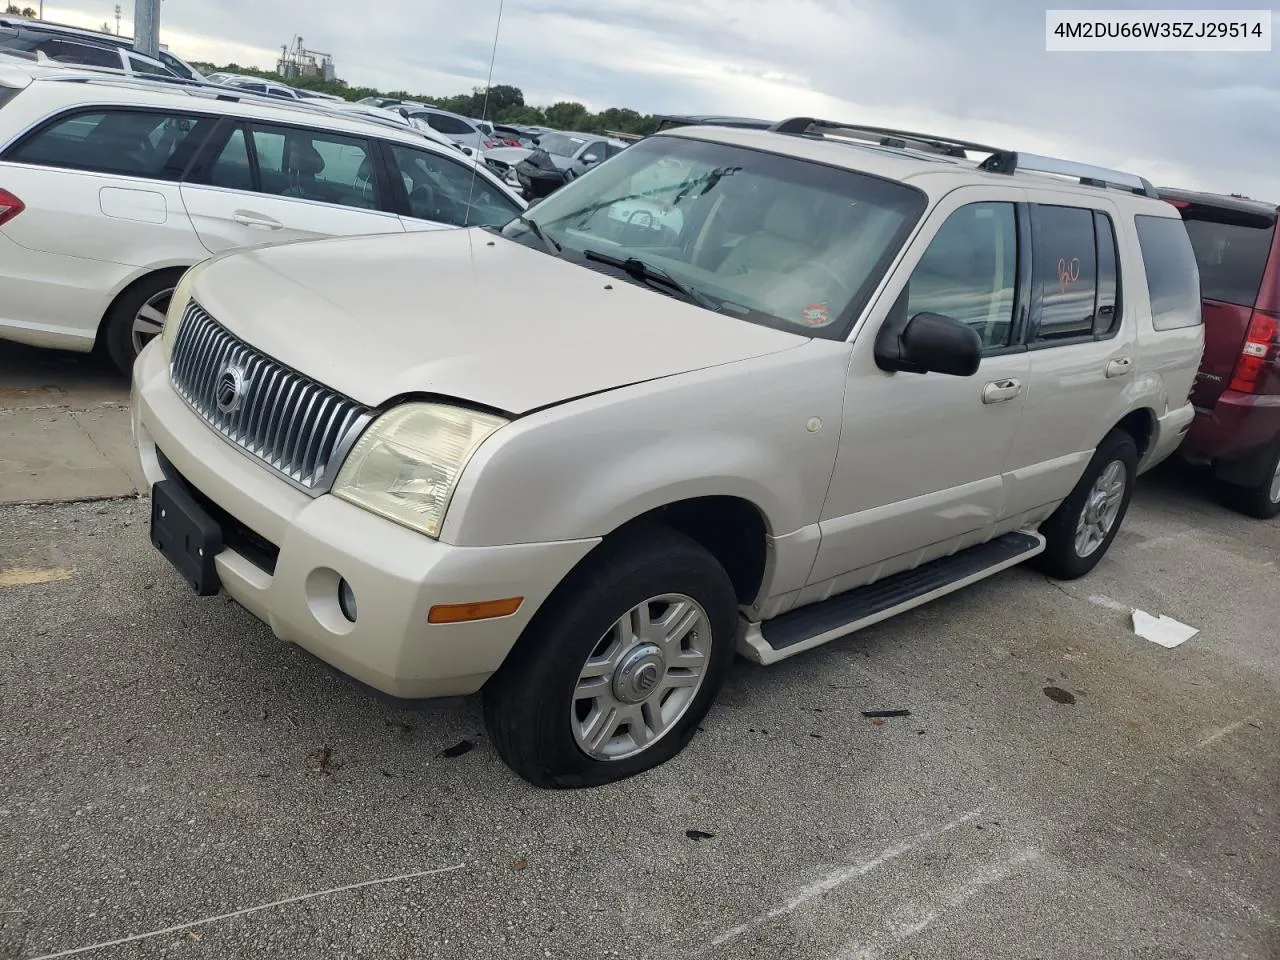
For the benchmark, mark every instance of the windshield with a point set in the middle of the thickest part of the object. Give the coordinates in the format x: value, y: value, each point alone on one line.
x: 560, y: 145
x: 772, y: 239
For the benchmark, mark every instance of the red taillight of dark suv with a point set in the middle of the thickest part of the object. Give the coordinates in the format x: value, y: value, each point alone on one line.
x: 1237, y: 393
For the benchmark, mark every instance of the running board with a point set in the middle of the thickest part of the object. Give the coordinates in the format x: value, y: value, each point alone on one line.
x: 813, y: 625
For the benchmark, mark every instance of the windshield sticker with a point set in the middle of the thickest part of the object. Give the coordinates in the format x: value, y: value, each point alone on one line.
x: 816, y: 315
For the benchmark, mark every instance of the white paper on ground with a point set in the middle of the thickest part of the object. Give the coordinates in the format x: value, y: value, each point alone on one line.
x: 1162, y: 630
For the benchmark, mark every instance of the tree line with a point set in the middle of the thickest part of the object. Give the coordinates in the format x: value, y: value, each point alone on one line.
x: 504, y: 104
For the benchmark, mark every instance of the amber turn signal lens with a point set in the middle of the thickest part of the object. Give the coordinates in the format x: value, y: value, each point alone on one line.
x: 483, y: 610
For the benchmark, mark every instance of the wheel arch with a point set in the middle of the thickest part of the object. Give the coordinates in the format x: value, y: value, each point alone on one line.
x: 128, y: 286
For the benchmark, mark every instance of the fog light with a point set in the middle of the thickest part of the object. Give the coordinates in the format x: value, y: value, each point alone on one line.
x: 347, y: 600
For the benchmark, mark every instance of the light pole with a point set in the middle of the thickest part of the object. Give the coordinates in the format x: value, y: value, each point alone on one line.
x: 146, y: 27
x: 117, y: 19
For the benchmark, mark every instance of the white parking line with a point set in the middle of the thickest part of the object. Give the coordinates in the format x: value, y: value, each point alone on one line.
x: 248, y: 910
x: 834, y: 880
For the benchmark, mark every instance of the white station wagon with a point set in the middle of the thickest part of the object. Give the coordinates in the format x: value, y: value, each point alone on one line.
x: 110, y: 188
x: 763, y: 388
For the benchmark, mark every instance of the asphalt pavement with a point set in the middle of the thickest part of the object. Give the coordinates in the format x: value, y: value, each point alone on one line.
x: 176, y: 782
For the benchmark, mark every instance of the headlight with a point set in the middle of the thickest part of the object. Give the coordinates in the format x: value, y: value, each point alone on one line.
x: 406, y: 465
x: 177, y: 307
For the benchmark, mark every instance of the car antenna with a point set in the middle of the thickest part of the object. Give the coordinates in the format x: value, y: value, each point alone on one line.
x: 484, y: 112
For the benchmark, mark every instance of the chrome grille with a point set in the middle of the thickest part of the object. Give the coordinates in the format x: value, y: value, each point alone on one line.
x: 296, y: 426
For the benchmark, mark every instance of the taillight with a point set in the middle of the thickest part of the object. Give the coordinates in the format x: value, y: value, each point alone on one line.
x: 10, y: 206
x: 1259, y: 343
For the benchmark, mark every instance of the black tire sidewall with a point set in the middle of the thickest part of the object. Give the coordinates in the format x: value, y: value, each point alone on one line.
x: 117, y: 335
x: 1256, y: 501
x: 1060, y: 558
x: 528, y: 704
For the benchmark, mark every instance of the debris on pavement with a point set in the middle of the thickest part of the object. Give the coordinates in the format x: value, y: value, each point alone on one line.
x: 1163, y: 630
x: 1058, y: 695
x: 457, y: 750
x: 886, y: 713
x: 320, y: 760
x: 699, y: 835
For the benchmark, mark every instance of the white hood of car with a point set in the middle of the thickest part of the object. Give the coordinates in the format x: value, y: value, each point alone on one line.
x: 464, y: 314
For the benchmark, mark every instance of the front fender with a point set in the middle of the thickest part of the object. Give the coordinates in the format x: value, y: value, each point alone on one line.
x: 765, y: 430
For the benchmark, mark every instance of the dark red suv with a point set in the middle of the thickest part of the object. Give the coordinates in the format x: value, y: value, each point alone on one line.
x: 1236, y: 431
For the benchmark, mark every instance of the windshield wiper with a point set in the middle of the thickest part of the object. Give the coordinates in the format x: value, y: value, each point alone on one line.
x: 637, y: 269
x: 553, y: 248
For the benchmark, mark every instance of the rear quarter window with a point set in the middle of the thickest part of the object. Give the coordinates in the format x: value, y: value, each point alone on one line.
x: 1232, y: 259
x: 1173, y: 278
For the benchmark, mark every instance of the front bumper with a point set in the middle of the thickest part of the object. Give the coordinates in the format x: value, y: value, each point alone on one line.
x: 397, y: 575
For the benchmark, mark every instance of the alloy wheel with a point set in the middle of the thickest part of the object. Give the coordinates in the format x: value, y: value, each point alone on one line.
x: 149, y: 320
x: 1101, y: 509
x: 641, y: 678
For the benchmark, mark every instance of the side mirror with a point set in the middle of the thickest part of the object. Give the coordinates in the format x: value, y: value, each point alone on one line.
x: 590, y: 158
x: 930, y: 343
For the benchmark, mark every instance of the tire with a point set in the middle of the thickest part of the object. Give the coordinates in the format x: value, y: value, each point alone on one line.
x: 544, y: 732
x: 118, y: 334
x: 1262, y: 500
x: 1066, y: 555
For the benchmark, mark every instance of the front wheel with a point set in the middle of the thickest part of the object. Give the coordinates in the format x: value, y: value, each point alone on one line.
x: 614, y: 675
x: 1082, y: 528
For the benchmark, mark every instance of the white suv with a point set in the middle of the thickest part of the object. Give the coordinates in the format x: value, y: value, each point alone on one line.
x: 763, y: 388
x: 110, y: 188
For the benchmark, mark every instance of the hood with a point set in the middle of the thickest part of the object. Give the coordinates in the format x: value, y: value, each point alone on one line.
x: 464, y: 314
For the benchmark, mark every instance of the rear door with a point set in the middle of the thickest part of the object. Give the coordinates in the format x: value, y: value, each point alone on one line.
x: 101, y: 183
x: 1232, y: 249
x: 269, y: 183
x: 1082, y: 344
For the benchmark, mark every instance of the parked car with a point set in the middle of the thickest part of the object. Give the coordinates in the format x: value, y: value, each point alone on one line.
x: 835, y: 381
x: 561, y: 157
x: 1236, y: 431
x: 514, y: 135
x: 110, y: 188
x: 49, y: 47
x: 391, y: 103
x: 459, y: 129
x: 172, y: 63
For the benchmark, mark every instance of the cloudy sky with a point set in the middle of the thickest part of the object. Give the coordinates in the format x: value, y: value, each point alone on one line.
x: 975, y: 69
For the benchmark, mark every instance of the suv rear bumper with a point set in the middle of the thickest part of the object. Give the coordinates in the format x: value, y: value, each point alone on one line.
x: 1239, y: 426
x: 396, y: 574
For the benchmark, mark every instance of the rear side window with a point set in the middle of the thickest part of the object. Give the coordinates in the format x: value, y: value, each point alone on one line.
x: 1172, y: 275
x: 144, y: 66
x: 81, y: 53
x: 1232, y: 259
x: 1064, y: 272
x: 152, y: 144
x: 315, y: 165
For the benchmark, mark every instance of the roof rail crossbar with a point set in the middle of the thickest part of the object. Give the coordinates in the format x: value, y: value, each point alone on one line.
x: 1086, y: 173
x: 885, y: 136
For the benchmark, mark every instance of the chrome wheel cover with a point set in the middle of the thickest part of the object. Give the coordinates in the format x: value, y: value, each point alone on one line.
x: 1101, y: 509
x: 641, y: 678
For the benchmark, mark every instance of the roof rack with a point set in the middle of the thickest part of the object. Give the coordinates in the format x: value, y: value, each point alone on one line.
x: 998, y: 160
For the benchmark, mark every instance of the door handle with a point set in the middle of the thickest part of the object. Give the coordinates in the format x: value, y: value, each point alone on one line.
x: 247, y: 219
x: 1119, y: 367
x: 998, y: 391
